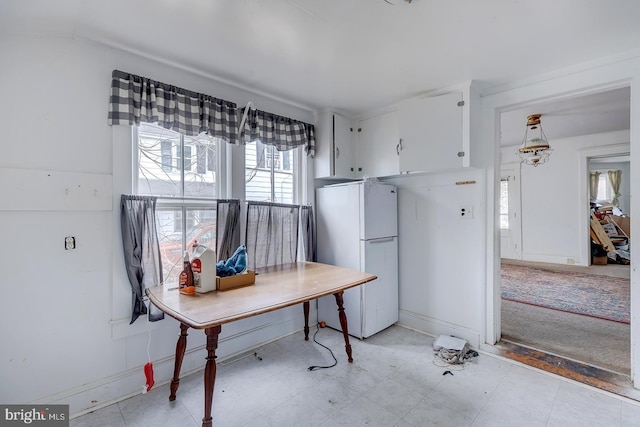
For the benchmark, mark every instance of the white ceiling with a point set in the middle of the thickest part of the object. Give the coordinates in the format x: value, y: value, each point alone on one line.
x: 354, y: 55
x: 595, y: 113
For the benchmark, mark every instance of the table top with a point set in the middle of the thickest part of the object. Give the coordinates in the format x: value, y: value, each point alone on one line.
x: 275, y: 288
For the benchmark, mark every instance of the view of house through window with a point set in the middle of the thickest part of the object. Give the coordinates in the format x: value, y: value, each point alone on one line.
x: 504, y: 203
x: 269, y: 173
x: 182, y: 172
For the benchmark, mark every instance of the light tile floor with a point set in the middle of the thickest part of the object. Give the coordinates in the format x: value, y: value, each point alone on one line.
x: 393, y: 381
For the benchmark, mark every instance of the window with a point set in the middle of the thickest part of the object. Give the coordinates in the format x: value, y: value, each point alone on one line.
x: 182, y: 172
x: 604, y: 188
x: 270, y: 174
x: 504, y: 203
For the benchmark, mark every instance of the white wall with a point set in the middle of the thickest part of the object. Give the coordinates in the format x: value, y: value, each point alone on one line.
x: 597, y: 76
x: 449, y: 268
x: 64, y: 314
x: 553, y: 204
x: 441, y: 255
x: 59, y: 306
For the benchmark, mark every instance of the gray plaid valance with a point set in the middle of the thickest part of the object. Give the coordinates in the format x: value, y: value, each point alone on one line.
x: 282, y: 132
x: 136, y: 99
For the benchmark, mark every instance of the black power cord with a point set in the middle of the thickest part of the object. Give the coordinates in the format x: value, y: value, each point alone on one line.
x: 335, y: 361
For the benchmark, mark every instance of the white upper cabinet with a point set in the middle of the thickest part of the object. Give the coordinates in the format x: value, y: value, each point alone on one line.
x: 422, y: 134
x: 335, y: 154
x: 431, y: 133
x: 377, y: 141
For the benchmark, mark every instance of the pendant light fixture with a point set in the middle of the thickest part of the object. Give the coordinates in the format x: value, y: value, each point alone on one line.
x: 535, y: 148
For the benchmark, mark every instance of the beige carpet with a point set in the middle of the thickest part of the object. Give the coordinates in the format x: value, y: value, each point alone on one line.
x: 597, y: 342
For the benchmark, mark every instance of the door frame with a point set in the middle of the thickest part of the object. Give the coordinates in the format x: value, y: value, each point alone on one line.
x: 583, y: 188
x: 514, y: 232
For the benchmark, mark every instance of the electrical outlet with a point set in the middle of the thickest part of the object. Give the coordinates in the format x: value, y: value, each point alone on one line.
x: 69, y: 242
x: 466, y: 212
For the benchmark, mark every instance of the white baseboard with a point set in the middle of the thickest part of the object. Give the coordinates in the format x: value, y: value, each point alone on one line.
x: 554, y: 259
x: 436, y: 327
x: 104, y: 392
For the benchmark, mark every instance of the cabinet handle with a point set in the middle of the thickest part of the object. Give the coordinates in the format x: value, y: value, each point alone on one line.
x: 337, y: 152
x: 381, y: 240
x: 399, y: 147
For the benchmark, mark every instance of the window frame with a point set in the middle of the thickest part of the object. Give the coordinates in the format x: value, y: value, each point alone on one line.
x: 183, y: 204
x: 506, y: 214
x: 296, y: 167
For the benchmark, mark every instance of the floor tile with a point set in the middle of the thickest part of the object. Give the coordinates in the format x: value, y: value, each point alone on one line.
x: 394, y: 381
x: 578, y: 405
x: 429, y: 412
x: 109, y: 416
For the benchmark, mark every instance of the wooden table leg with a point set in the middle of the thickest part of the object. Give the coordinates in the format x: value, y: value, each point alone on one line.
x: 305, y: 307
x: 343, y: 323
x: 210, y: 372
x: 180, y: 347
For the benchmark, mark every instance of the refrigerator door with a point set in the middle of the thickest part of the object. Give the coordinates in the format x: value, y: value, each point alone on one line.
x: 357, y: 228
x: 380, y: 297
x: 379, y: 214
x: 338, y: 240
x: 338, y: 215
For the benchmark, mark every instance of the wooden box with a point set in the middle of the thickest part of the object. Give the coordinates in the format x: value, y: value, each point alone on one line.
x: 599, y: 260
x: 237, y: 281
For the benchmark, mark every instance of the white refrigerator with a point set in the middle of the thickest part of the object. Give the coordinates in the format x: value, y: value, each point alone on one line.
x: 357, y: 227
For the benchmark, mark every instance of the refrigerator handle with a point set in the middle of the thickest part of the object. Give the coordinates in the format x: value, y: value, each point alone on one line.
x: 381, y: 239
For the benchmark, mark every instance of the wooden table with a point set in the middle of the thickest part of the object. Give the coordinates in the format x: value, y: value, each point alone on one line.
x: 275, y: 288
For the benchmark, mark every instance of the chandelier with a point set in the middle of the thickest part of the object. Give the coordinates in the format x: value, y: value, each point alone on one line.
x: 535, y: 148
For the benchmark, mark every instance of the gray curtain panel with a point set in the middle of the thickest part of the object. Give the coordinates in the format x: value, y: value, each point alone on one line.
x: 141, y: 251
x: 227, y: 227
x: 135, y: 99
x: 282, y: 132
x: 271, y: 234
x: 308, y: 233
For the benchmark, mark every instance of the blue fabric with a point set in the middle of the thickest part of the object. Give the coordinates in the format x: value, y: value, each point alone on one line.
x: 234, y: 265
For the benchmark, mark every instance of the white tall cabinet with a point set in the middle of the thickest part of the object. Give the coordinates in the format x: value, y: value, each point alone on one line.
x: 335, y: 152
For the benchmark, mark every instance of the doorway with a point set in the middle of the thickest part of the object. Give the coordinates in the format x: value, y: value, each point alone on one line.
x: 596, y: 342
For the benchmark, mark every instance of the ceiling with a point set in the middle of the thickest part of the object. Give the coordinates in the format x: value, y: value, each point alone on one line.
x: 356, y: 55
x: 584, y: 115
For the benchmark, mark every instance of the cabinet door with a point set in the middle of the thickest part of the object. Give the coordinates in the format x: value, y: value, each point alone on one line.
x: 334, y: 147
x: 377, y: 139
x: 431, y: 134
x: 343, y: 147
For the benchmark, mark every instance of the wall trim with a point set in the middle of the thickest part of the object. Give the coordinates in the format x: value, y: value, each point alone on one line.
x: 430, y: 326
x: 554, y: 259
x: 112, y: 44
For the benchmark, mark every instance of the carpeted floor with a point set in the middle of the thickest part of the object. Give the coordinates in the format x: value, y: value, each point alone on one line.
x: 592, y: 340
x: 588, y: 294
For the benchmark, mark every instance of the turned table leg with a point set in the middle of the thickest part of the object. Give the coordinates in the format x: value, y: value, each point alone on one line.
x: 180, y: 348
x: 305, y: 307
x: 343, y: 323
x: 210, y: 372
